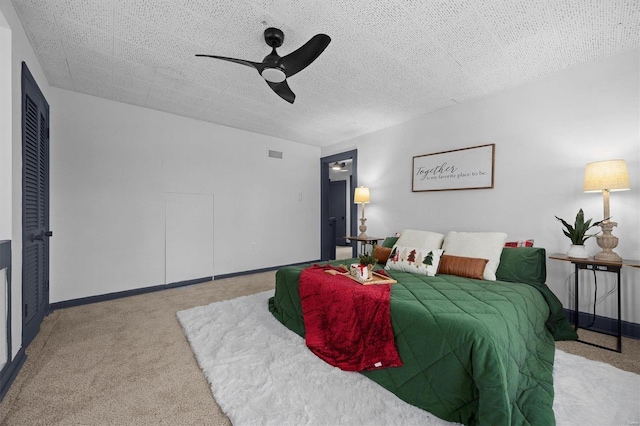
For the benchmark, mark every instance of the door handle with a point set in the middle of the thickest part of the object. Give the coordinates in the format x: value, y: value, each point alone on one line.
x: 40, y: 236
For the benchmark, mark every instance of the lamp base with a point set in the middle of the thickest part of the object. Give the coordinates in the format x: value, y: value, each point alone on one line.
x: 607, y: 242
x: 363, y: 228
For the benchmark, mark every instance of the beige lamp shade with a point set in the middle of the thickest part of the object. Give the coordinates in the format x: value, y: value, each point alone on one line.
x: 606, y: 176
x: 361, y: 195
x: 609, y: 175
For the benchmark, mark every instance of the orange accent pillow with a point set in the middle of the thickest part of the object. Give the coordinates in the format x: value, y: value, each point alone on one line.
x: 381, y: 254
x: 468, y: 267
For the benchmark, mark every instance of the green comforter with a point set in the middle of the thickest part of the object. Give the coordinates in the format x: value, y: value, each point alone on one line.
x: 474, y: 352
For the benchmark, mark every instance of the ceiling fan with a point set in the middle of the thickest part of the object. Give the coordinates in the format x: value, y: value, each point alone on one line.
x: 275, y: 69
x: 339, y: 167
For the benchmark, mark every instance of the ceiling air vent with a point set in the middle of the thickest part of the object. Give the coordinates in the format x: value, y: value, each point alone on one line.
x: 275, y: 154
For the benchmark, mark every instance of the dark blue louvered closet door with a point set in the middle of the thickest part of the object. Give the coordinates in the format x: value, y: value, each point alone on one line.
x: 35, y: 207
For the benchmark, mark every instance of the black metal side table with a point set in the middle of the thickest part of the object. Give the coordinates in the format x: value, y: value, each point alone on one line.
x: 364, y: 241
x: 597, y: 265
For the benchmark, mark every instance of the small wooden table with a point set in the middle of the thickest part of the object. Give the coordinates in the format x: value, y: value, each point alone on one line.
x: 604, y: 266
x: 364, y: 241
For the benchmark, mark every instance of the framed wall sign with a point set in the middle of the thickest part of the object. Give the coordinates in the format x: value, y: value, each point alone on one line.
x: 466, y: 168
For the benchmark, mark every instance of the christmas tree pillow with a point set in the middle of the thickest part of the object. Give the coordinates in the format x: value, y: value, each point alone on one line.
x: 420, y: 239
x: 414, y: 260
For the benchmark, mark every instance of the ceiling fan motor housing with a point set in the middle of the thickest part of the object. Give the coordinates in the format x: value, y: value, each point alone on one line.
x: 273, y: 71
x: 274, y: 37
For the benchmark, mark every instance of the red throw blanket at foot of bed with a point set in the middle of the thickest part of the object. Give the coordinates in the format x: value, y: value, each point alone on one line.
x: 347, y: 324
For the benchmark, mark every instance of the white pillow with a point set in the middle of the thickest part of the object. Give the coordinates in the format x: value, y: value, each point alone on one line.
x: 420, y: 239
x: 485, y: 245
x: 413, y: 259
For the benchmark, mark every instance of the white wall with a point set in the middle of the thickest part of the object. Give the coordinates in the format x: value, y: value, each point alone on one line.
x: 188, y: 237
x: 545, y: 133
x: 113, y: 168
x: 5, y: 129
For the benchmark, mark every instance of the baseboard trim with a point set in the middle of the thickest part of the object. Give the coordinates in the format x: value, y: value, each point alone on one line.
x: 257, y: 271
x: 605, y: 324
x: 134, y: 292
x: 10, y: 371
x: 120, y: 294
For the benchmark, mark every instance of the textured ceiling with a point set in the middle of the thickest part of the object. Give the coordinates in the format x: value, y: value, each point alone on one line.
x: 388, y: 61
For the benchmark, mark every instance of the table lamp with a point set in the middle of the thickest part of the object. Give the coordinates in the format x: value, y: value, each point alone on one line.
x: 606, y: 176
x: 361, y: 196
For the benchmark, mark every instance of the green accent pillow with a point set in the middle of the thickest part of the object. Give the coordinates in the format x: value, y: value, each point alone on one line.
x: 523, y: 265
x: 389, y: 241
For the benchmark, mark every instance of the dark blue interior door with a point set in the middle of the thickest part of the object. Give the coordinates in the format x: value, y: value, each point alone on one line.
x: 338, y: 209
x: 35, y: 207
x: 327, y: 230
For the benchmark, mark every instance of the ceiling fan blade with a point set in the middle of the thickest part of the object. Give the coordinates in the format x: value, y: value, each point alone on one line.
x: 283, y: 90
x: 256, y: 65
x: 299, y: 59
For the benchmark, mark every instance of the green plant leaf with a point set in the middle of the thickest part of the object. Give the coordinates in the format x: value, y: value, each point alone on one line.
x: 578, y: 232
x: 579, y: 220
x: 367, y: 259
x: 566, y: 225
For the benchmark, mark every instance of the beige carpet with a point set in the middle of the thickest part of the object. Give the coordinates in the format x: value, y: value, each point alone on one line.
x: 128, y: 362
x: 343, y: 252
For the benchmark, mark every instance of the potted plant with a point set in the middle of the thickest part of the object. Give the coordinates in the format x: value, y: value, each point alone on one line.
x: 368, y: 260
x: 578, y: 234
x: 362, y: 270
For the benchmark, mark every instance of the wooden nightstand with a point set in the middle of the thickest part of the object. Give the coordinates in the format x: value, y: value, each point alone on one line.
x: 597, y: 265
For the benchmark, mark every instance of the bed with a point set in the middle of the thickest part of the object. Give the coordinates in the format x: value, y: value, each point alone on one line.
x: 473, y: 351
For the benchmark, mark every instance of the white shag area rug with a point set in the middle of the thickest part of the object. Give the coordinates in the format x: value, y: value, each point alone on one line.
x: 262, y: 373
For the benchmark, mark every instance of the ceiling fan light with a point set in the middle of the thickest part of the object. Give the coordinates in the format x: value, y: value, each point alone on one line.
x: 273, y: 75
x: 336, y: 166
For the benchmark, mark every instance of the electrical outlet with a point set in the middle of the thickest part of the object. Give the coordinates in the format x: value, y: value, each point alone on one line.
x: 254, y: 246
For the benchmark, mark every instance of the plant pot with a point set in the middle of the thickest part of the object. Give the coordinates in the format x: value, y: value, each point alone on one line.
x: 578, y: 251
